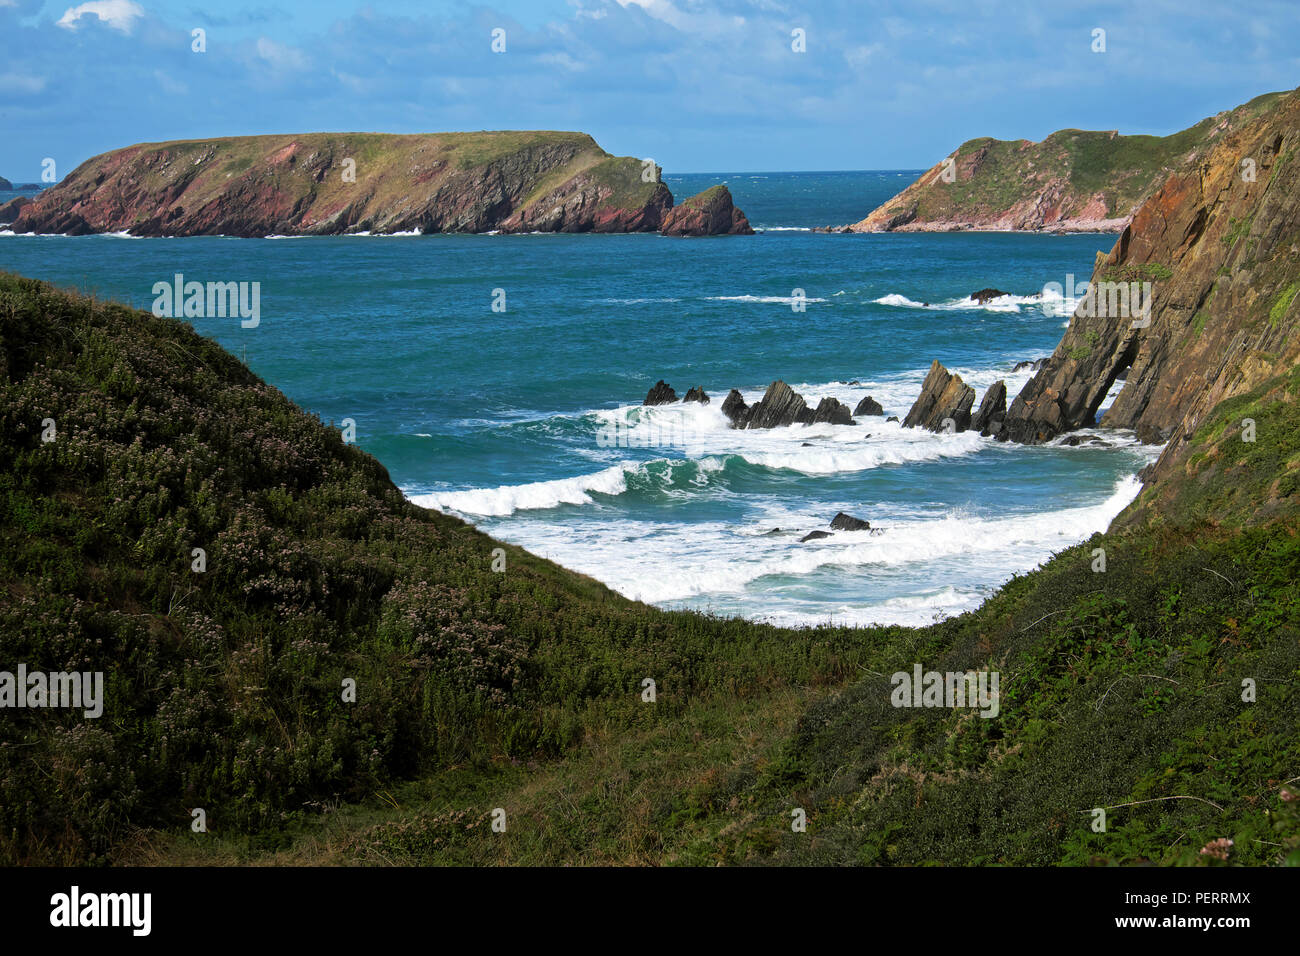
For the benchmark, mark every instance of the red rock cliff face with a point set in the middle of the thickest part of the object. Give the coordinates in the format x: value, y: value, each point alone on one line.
x: 1219, y: 244
x: 321, y: 184
x: 710, y: 213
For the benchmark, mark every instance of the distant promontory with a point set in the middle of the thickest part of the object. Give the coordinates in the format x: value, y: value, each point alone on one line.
x: 1072, y: 181
x: 336, y: 183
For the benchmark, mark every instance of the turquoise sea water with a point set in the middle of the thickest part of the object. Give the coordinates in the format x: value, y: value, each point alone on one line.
x: 502, y: 417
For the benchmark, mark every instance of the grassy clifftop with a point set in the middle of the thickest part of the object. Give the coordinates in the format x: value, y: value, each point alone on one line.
x: 325, y: 183
x: 522, y: 688
x: 1074, y: 180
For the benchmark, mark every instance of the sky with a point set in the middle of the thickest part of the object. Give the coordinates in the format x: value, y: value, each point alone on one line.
x: 697, y: 85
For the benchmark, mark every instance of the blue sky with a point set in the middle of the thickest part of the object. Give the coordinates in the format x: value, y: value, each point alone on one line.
x: 699, y: 85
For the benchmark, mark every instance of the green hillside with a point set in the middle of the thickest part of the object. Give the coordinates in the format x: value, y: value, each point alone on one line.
x: 522, y: 688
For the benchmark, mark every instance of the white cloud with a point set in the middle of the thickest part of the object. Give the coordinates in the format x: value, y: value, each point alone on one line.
x: 118, y: 14
x: 279, y: 56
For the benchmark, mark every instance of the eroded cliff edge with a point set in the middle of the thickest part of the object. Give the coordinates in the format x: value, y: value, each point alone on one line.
x: 332, y: 183
x: 1219, y: 246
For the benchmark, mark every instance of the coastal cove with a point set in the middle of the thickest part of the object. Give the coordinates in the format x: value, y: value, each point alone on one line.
x: 496, y: 415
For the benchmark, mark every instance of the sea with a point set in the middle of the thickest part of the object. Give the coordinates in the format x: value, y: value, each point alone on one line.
x: 500, y: 379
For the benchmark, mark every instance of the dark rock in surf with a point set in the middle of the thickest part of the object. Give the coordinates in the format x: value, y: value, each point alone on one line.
x: 832, y: 411
x: 734, y: 407
x: 661, y: 394
x: 846, y: 522
x: 696, y: 394
x: 869, y: 406
x: 984, y: 295
x: 992, y: 410
x: 780, y: 406
x: 944, y: 396
x: 814, y: 535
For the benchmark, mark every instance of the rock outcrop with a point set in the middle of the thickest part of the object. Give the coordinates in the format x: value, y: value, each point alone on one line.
x: 985, y: 295
x: 992, y: 411
x: 696, y: 394
x: 9, y: 211
x: 780, y: 406
x: 869, y: 406
x: 735, y: 408
x: 944, y: 396
x: 331, y: 183
x: 710, y: 213
x: 846, y: 522
x: 832, y: 411
x: 661, y: 393
x: 1218, y: 246
x: 1072, y: 181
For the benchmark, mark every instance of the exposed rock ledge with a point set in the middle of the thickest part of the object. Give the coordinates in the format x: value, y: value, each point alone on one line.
x: 1221, y: 254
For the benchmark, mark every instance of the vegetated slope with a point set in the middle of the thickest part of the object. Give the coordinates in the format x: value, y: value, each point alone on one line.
x: 224, y: 687
x: 327, y: 183
x: 1219, y: 244
x: 1072, y: 181
x: 524, y: 689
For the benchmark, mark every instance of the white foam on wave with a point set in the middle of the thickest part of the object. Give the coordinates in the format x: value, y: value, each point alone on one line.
x: 1049, y: 301
x: 668, y: 564
x: 771, y: 299
x: 636, y: 301
x: 507, y: 499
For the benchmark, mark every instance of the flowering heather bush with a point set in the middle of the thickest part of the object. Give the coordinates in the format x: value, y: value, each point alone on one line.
x: 450, y: 638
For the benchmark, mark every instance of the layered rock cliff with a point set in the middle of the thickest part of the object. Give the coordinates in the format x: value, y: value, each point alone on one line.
x: 329, y: 183
x: 1217, y: 248
x: 710, y: 213
x: 1072, y: 181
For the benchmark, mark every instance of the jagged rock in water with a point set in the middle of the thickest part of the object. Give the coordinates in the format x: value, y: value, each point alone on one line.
x: 814, y: 535
x: 846, y: 522
x: 660, y: 394
x: 696, y: 394
x: 984, y: 295
x: 1033, y: 365
x: 734, y: 407
x: 710, y: 213
x: 780, y: 406
x: 892, y: 418
x: 993, y: 409
x: 943, y: 396
x: 832, y: 411
x: 869, y: 406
